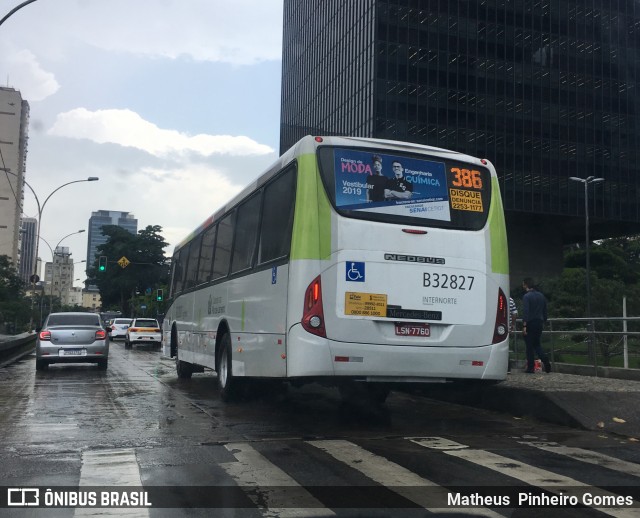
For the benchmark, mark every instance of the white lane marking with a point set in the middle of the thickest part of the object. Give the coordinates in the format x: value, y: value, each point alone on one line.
x: 553, y: 482
x: 266, y: 485
x: 393, y: 476
x: 110, y: 468
x: 592, y: 457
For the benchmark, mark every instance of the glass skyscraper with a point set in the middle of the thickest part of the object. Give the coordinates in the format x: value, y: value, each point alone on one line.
x: 100, y: 219
x: 545, y: 89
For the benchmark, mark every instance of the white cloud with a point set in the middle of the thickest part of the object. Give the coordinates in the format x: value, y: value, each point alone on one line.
x: 201, y: 188
x: 232, y: 31
x: 127, y: 128
x: 24, y: 69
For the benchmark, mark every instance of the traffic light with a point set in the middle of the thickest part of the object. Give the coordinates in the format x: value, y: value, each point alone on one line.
x: 159, y: 295
x: 102, y: 263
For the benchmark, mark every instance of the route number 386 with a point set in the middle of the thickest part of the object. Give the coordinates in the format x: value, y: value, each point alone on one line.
x: 466, y: 178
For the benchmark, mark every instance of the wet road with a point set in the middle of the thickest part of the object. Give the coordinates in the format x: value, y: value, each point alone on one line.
x: 138, y: 425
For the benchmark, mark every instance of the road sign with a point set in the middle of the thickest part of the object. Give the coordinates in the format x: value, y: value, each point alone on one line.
x: 123, y: 262
x: 142, y: 306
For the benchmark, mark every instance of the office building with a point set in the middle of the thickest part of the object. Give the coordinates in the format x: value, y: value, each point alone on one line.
x: 546, y: 90
x: 103, y: 218
x: 59, y: 274
x: 28, y: 248
x: 14, y: 125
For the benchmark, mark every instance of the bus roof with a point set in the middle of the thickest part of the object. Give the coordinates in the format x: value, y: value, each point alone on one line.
x: 309, y: 144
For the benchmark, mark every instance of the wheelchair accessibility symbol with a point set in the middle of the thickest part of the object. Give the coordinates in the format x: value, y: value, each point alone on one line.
x: 354, y: 272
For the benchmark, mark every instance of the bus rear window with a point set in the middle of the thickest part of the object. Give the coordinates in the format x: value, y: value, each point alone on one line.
x: 408, y: 189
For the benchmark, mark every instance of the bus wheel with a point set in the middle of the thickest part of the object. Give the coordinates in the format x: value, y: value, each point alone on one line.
x: 227, y: 384
x: 183, y: 369
x: 378, y: 392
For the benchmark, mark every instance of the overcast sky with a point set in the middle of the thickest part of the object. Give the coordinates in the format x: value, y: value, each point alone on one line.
x: 173, y: 104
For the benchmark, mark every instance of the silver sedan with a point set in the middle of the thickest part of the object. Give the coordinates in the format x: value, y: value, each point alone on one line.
x: 72, y: 338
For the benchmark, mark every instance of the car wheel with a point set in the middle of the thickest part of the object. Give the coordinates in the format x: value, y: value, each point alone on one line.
x: 41, y: 365
x: 127, y: 344
x: 103, y: 364
x: 227, y: 383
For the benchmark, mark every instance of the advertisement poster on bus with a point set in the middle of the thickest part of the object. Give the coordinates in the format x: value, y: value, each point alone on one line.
x: 390, y: 184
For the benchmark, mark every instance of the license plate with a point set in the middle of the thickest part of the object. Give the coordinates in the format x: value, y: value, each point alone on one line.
x: 72, y: 352
x: 413, y: 329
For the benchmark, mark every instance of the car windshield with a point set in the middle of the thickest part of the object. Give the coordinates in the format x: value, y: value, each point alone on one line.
x: 146, y: 323
x: 72, y: 320
x: 122, y: 321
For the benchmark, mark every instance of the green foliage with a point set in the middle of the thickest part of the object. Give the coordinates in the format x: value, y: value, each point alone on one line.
x: 614, y: 274
x: 14, y: 308
x: 147, y: 268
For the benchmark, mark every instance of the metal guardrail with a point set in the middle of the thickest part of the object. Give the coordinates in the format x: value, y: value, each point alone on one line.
x: 12, y: 348
x: 596, y: 349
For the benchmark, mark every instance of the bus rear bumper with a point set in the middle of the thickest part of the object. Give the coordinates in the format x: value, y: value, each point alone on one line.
x: 309, y: 355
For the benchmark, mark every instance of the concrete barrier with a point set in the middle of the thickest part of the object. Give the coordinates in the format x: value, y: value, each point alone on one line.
x: 12, y: 348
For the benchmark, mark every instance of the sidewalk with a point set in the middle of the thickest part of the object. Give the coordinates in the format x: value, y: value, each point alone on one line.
x: 587, y: 402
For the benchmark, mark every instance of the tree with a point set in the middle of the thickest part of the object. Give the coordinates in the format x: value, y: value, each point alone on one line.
x: 15, y: 309
x: 614, y: 274
x: 147, y: 268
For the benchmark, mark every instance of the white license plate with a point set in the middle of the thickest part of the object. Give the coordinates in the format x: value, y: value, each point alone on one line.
x: 72, y: 352
x: 413, y: 330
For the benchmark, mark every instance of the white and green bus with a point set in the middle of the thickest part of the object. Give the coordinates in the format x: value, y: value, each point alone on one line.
x: 349, y: 260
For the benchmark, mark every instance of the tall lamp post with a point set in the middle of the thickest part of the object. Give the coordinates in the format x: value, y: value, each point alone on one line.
x: 586, y: 182
x: 40, y: 209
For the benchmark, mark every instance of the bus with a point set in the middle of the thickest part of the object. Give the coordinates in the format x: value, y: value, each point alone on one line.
x: 354, y: 262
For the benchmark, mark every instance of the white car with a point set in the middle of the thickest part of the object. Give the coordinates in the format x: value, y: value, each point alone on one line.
x: 143, y: 331
x: 118, y: 327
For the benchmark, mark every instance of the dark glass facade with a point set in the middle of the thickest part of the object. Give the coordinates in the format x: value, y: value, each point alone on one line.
x: 103, y: 218
x: 545, y: 89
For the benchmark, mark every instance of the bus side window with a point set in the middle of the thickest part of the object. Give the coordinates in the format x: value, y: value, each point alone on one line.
x: 206, y: 254
x: 244, y: 244
x: 222, y: 255
x: 277, y: 217
x: 192, y: 264
x: 180, y: 269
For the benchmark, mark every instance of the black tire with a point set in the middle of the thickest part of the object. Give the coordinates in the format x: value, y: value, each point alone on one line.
x: 41, y: 365
x: 378, y: 392
x: 184, y: 369
x: 228, y: 385
x: 103, y: 364
x: 127, y: 344
x: 360, y: 392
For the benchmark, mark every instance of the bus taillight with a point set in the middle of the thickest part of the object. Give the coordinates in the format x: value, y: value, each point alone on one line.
x: 313, y: 314
x: 501, y: 329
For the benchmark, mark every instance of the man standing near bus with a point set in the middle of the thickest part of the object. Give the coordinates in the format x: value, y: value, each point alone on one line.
x: 534, y: 315
x: 398, y: 188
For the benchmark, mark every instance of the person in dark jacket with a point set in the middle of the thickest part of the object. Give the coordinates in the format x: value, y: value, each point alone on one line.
x: 534, y: 315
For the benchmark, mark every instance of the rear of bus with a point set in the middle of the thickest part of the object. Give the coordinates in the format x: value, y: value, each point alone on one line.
x: 396, y: 287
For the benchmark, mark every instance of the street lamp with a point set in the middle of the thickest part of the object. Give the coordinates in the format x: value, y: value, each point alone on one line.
x: 16, y: 8
x: 40, y: 209
x: 586, y: 182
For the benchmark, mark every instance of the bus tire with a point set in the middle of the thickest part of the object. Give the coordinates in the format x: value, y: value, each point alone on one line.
x: 227, y: 384
x: 378, y: 392
x: 183, y: 369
